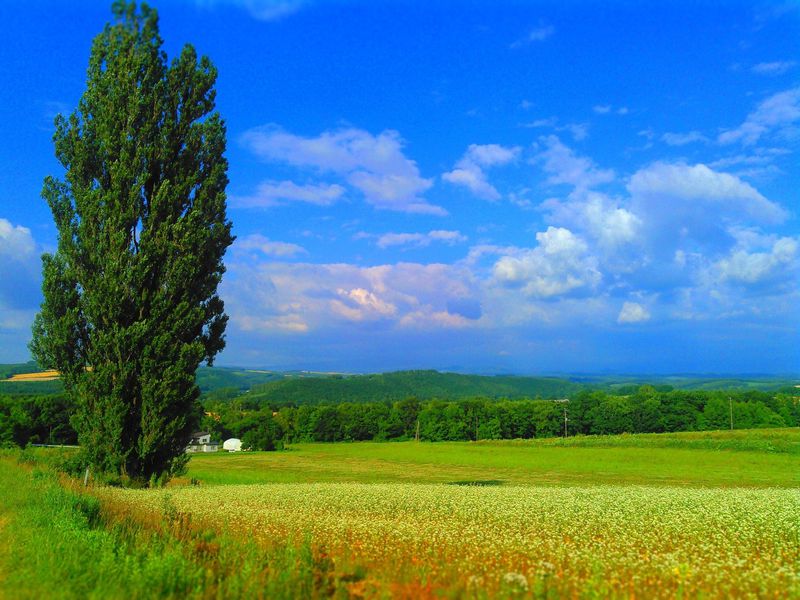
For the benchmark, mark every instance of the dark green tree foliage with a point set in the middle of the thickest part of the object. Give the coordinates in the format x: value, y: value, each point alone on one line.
x: 130, y: 296
x: 647, y: 410
x: 36, y: 420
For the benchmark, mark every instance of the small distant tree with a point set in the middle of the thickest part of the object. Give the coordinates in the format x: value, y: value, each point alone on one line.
x: 130, y: 295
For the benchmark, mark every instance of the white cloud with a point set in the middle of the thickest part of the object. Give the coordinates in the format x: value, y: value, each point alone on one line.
x: 537, y: 34
x: 375, y: 165
x: 773, y: 68
x: 268, y: 247
x: 359, y: 304
x: 420, y: 239
x: 776, y: 113
x: 632, y: 312
x: 558, y: 265
x: 602, y: 218
x: 611, y: 225
x: 16, y: 242
x: 271, y: 193
x: 20, y: 270
x: 394, y: 191
x: 681, y: 139
x: 301, y: 298
x: 469, y: 170
x: 564, y: 166
x: 755, y: 267
x: 669, y: 187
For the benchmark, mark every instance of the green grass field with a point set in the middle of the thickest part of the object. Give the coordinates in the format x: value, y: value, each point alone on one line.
x: 758, y: 458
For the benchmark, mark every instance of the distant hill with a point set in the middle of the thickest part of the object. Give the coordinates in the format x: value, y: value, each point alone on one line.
x: 8, y: 370
x: 334, y: 389
x: 622, y: 384
x: 215, y: 378
x: 309, y: 387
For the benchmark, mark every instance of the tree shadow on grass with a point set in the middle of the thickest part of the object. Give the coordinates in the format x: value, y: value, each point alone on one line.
x: 478, y: 482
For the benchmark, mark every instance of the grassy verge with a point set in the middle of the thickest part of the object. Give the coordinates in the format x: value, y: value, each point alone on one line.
x: 56, y: 542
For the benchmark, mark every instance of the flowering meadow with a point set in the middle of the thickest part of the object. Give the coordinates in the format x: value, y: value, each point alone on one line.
x: 484, y: 540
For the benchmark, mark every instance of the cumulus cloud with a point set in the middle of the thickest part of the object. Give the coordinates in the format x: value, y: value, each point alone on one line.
x: 20, y: 289
x: 420, y: 239
x: 678, y: 188
x: 19, y: 270
x: 16, y: 242
x: 558, y: 265
x: 564, y: 166
x: 599, y: 216
x: 299, y: 298
x: 373, y: 164
x: 359, y: 304
x: 751, y: 268
x: 633, y: 312
x: 778, y: 67
x: 269, y: 247
x: 272, y: 193
x: 470, y: 172
x: 777, y: 113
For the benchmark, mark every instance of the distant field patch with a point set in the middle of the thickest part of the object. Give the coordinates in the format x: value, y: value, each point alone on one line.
x: 40, y: 376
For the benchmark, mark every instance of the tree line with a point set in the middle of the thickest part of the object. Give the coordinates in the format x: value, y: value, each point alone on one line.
x: 646, y: 410
x: 260, y: 426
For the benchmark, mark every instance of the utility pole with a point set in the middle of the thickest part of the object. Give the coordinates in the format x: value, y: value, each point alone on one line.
x: 416, y: 437
x: 565, y: 421
x: 730, y: 406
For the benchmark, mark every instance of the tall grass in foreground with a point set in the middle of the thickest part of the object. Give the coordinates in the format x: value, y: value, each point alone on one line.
x: 518, y: 541
x: 56, y: 542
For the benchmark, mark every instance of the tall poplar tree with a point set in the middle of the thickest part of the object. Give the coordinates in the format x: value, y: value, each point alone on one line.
x: 130, y: 304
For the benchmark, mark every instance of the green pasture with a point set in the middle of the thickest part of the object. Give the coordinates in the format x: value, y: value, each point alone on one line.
x: 758, y: 458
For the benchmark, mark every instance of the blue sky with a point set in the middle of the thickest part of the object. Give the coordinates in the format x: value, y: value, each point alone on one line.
x: 528, y: 187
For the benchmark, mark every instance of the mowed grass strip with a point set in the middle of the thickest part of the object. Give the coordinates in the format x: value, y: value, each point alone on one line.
x: 647, y: 460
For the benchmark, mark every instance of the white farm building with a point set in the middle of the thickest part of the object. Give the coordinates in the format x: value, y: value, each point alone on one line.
x: 201, y: 442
